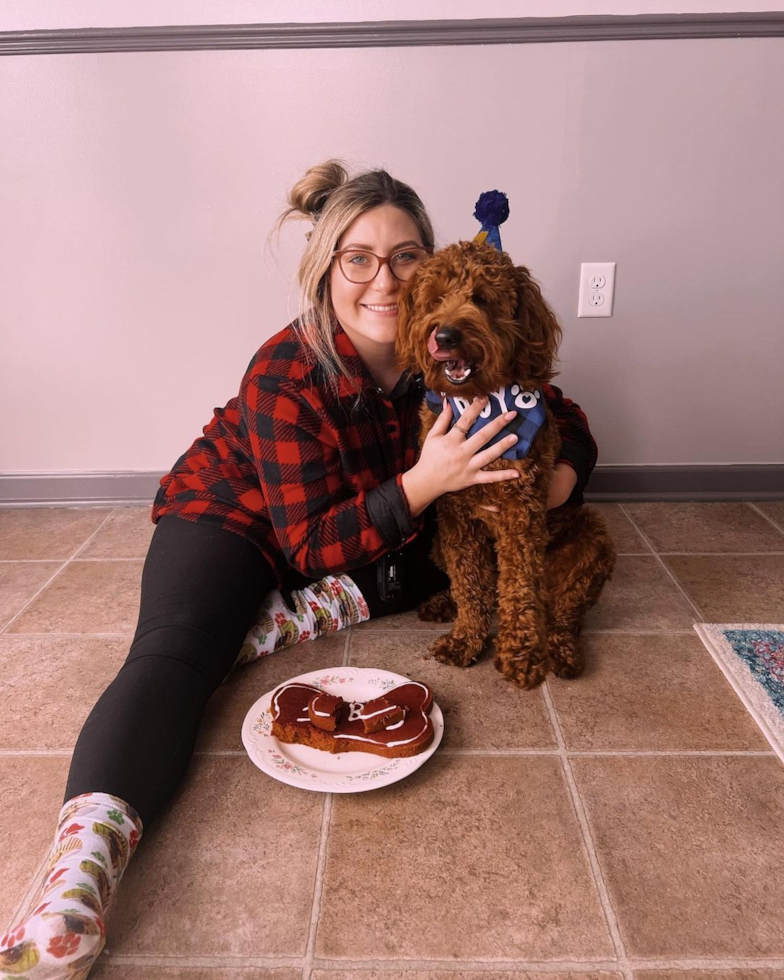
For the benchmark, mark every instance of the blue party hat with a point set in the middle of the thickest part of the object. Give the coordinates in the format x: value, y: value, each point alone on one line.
x: 492, y: 210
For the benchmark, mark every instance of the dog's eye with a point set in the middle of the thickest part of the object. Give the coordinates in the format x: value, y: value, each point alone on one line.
x: 479, y: 299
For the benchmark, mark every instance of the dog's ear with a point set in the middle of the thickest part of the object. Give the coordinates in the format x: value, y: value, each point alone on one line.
x: 404, y: 347
x: 539, y: 327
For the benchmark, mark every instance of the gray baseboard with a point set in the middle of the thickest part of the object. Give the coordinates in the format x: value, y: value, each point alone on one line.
x: 608, y: 484
x: 398, y: 33
x: 77, y: 489
x: 734, y: 481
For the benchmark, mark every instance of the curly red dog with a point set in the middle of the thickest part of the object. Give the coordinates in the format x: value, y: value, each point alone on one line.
x: 544, y: 569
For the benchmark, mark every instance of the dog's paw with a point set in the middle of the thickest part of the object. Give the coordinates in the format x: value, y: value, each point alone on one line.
x: 457, y: 651
x: 566, y: 657
x: 526, y: 670
x: 439, y: 608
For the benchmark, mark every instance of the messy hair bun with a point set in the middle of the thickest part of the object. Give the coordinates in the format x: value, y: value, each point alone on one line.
x: 332, y: 201
x: 309, y: 195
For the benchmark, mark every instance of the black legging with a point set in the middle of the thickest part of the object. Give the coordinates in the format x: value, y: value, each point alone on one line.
x: 202, y: 587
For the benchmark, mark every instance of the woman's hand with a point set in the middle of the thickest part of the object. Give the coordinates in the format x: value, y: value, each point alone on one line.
x: 562, y: 483
x: 449, y: 461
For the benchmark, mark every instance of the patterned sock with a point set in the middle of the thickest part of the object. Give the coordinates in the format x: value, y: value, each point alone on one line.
x: 326, y: 606
x: 62, y: 933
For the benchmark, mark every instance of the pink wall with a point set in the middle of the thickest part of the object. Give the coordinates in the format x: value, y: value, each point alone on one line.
x: 137, y: 191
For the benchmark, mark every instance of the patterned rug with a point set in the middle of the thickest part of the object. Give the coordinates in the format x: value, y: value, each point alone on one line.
x: 751, y: 655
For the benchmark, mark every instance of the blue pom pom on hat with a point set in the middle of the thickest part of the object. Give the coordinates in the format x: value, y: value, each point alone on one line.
x: 491, y: 210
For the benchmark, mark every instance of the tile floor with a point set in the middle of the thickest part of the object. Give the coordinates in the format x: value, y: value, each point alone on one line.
x: 628, y: 823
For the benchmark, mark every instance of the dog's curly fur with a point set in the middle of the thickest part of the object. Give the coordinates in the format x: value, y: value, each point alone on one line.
x: 544, y: 568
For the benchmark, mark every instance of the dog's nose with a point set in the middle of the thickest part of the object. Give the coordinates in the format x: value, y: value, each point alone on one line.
x: 448, y: 337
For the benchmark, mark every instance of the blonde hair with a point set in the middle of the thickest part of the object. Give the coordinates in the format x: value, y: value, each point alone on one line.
x: 332, y: 201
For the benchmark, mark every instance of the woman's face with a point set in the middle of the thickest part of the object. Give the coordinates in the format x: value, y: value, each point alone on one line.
x: 368, y: 311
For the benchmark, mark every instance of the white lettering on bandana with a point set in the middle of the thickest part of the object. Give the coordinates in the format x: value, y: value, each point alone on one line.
x: 529, y: 406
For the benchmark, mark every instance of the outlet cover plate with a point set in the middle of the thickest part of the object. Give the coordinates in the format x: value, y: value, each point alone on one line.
x: 597, y: 289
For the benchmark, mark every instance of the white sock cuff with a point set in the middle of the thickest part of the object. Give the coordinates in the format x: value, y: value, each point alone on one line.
x: 89, y: 804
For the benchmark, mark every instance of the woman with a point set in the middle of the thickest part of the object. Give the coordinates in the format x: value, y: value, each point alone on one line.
x: 311, y: 472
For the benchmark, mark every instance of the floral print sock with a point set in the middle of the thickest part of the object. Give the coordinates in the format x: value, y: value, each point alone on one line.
x: 326, y: 606
x: 62, y: 933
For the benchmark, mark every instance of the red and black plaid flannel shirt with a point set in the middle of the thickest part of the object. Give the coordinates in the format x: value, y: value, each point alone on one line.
x: 313, y: 481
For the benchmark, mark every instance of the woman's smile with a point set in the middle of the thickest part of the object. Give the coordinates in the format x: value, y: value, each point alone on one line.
x: 386, y: 309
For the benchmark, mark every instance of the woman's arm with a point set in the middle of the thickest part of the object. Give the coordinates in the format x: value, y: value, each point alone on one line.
x: 578, y: 448
x: 322, y: 523
x: 563, y: 482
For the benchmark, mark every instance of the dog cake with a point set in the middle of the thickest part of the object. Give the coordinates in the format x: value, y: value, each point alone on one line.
x: 395, y: 725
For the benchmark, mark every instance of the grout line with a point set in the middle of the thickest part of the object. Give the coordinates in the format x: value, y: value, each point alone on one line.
x: 109, y: 959
x: 447, y: 967
x: 713, y: 554
x: 318, y: 888
x: 690, y: 753
x: 33, y: 597
x: 691, y: 963
x: 347, y: 648
x: 89, y: 540
x: 59, y: 571
x: 765, y: 516
x: 97, y: 636
x: 32, y: 561
x: 667, y: 571
x: 584, y: 632
x: 621, y: 554
x: 421, y: 632
x: 43, y: 561
x: 589, y: 846
x: 568, y: 753
x: 543, y: 966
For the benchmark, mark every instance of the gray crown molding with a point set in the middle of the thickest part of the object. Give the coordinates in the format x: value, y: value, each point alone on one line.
x: 608, y: 484
x: 402, y: 33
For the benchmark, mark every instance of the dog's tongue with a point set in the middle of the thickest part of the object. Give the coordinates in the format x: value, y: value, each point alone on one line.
x: 439, y: 355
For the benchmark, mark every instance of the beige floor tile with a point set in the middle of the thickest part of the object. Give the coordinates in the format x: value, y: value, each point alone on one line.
x: 400, y: 621
x: 47, y: 532
x: 222, y: 726
x: 481, y: 709
x: 739, y: 973
x: 227, y: 869
x: 468, y: 858
x: 739, y: 589
x: 652, y: 693
x: 106, y: 970
x: 50, y: 686
x: 461, y: 975
x: 690, y: 849
x: 640, y: 596
x: 774, y: 509
x: 705, y: 527
x: 19, y: 582
x: 126, y: 534
x: 625, y: 538
x: 32, y: 795
x: 88, y: 597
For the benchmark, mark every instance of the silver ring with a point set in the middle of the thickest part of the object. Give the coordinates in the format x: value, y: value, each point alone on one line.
x: 464, y: 431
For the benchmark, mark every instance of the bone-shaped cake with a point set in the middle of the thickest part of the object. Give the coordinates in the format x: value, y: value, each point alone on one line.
x: 397, y: 724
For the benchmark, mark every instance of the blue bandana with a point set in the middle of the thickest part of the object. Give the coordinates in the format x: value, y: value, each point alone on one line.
x: 529, y: 406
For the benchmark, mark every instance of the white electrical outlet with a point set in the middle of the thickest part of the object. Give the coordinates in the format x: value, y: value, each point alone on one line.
x: 597, y: 286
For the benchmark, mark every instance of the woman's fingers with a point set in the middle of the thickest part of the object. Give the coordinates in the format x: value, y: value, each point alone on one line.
x: 469, y: 416
x: 489, y: 431
x: 493, y: 452
x: 496, y: 476
x: 441, y: 423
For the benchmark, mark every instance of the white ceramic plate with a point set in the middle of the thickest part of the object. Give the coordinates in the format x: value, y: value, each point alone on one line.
x: 323, y: 772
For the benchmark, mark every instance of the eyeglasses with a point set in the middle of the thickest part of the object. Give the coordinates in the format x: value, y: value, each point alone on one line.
x: 359, y: 266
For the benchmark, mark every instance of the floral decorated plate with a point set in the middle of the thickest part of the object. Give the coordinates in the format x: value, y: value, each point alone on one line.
x: 323, y: 772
